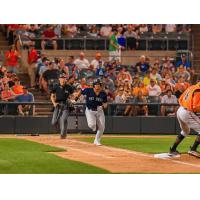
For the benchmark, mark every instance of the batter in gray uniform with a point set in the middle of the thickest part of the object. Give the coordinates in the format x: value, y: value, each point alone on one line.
x: 60, y: 97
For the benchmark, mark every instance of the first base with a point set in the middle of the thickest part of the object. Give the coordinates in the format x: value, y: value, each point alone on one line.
x: 165, y: 155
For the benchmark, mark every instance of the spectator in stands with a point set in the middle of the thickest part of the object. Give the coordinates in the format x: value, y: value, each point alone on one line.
x: 143, y: 28
x: 155, y: 75
x: 70, y: 30
x: 26, y: 97
x: 58, y: 30
x: 153, y: 89
x: 100, y: 71
x: 136, y: 81
x: 96, y: 61
x: 82, y: 62
x: 147, y: 78
x: 17, y: 88
x: 70, y: 64
x: 156, y: 28
x: 124, y: 74
x: 179, y: 91
x: 105, y: 30
x: 181, y: 83
x: 121, y: 40
x: 88, y: 73
x: 142, y: 88
x: 7, y: 94
x: 49, y: 77
x: 108, y: 83
x: 183, y: 62
x: 131, y: 38
x: 32, y: 60
x: 12, y: 60
x: 169, y: 80
x: 170, y: 28
x: 182, y: 72
x: 140, y: 109
x: 114, y: 47
x: 142, y: 66
x: 120, y: 98
x: 83, y: 83
x: 24, y: 38
x: 49, y: 38
x: 169, y: 98
x: 63, y: 68
x: 93, y: 31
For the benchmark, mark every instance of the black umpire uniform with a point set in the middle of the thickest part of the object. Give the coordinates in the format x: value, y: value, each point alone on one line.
x: 61, y: 95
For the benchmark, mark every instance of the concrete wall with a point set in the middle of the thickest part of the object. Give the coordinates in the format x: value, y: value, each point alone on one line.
x: 114, y: 124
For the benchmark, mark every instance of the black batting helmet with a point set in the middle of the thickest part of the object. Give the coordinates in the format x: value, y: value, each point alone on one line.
x: 97, y: 82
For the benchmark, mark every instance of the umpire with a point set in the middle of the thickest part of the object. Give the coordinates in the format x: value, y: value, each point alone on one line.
x: 60, y: 97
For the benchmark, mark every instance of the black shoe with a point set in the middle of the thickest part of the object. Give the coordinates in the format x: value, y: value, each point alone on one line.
x: 194, y: 153
x: 63, y: 137
x: 173, y: 152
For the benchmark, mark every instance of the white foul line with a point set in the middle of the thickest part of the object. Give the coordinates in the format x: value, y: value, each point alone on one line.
x: 140, y: 154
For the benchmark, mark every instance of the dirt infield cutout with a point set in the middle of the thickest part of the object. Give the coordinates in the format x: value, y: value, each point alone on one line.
x: 117, y: 160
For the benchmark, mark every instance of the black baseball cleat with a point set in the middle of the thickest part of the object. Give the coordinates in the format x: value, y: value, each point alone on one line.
x: 194, y: 153
x: 63, y: 137
x: 173, y: 152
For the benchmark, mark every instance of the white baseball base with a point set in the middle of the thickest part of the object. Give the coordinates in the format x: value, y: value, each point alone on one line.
x: 165, y: 155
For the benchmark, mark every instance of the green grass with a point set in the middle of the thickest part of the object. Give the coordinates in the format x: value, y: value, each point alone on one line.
x: 146, y: 145
x: 25, y: 157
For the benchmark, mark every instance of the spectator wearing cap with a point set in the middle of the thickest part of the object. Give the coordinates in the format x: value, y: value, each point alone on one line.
x: 97, y: 61
x: 49, y: 38
x: 108, y: 83
x: 12, y: 60
x: 142, y: 66
x: 32, y: 60
x: 169, y: 98
x: 26, y: 97
x: 82, y: 62
x: 182, y: 72
x: 183, y: 62
x: 153, y: 89
x: 114, y: 47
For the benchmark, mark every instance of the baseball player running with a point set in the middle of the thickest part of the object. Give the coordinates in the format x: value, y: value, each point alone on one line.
x: 96, y: 102
x: 189, y: 105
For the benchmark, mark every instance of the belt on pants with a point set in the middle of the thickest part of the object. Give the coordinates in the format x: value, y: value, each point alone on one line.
x: 92, y: 109
x: 191, y: 111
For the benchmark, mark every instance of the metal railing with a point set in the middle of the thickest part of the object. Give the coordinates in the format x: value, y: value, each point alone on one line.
x: 109, y: 111
x: 146, y: 42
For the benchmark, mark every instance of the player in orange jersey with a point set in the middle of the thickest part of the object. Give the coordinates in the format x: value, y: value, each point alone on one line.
x: 187, y: 117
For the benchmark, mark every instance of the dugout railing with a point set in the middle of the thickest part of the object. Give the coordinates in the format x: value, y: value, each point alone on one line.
x: 77, y: 123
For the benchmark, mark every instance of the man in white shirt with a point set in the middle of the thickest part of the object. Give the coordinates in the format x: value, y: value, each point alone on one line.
x: 153, y: 89
x: 105, y: 30
x: 170, y: 28
x: 82, y: 62
x: 95, y: 62
x: 169, y: 98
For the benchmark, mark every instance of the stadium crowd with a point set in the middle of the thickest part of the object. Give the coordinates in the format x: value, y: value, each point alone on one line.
x: 147, y: 81
x: 126, y: 33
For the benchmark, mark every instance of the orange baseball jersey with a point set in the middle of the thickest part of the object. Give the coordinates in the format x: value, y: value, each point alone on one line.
x: 190, y: 99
